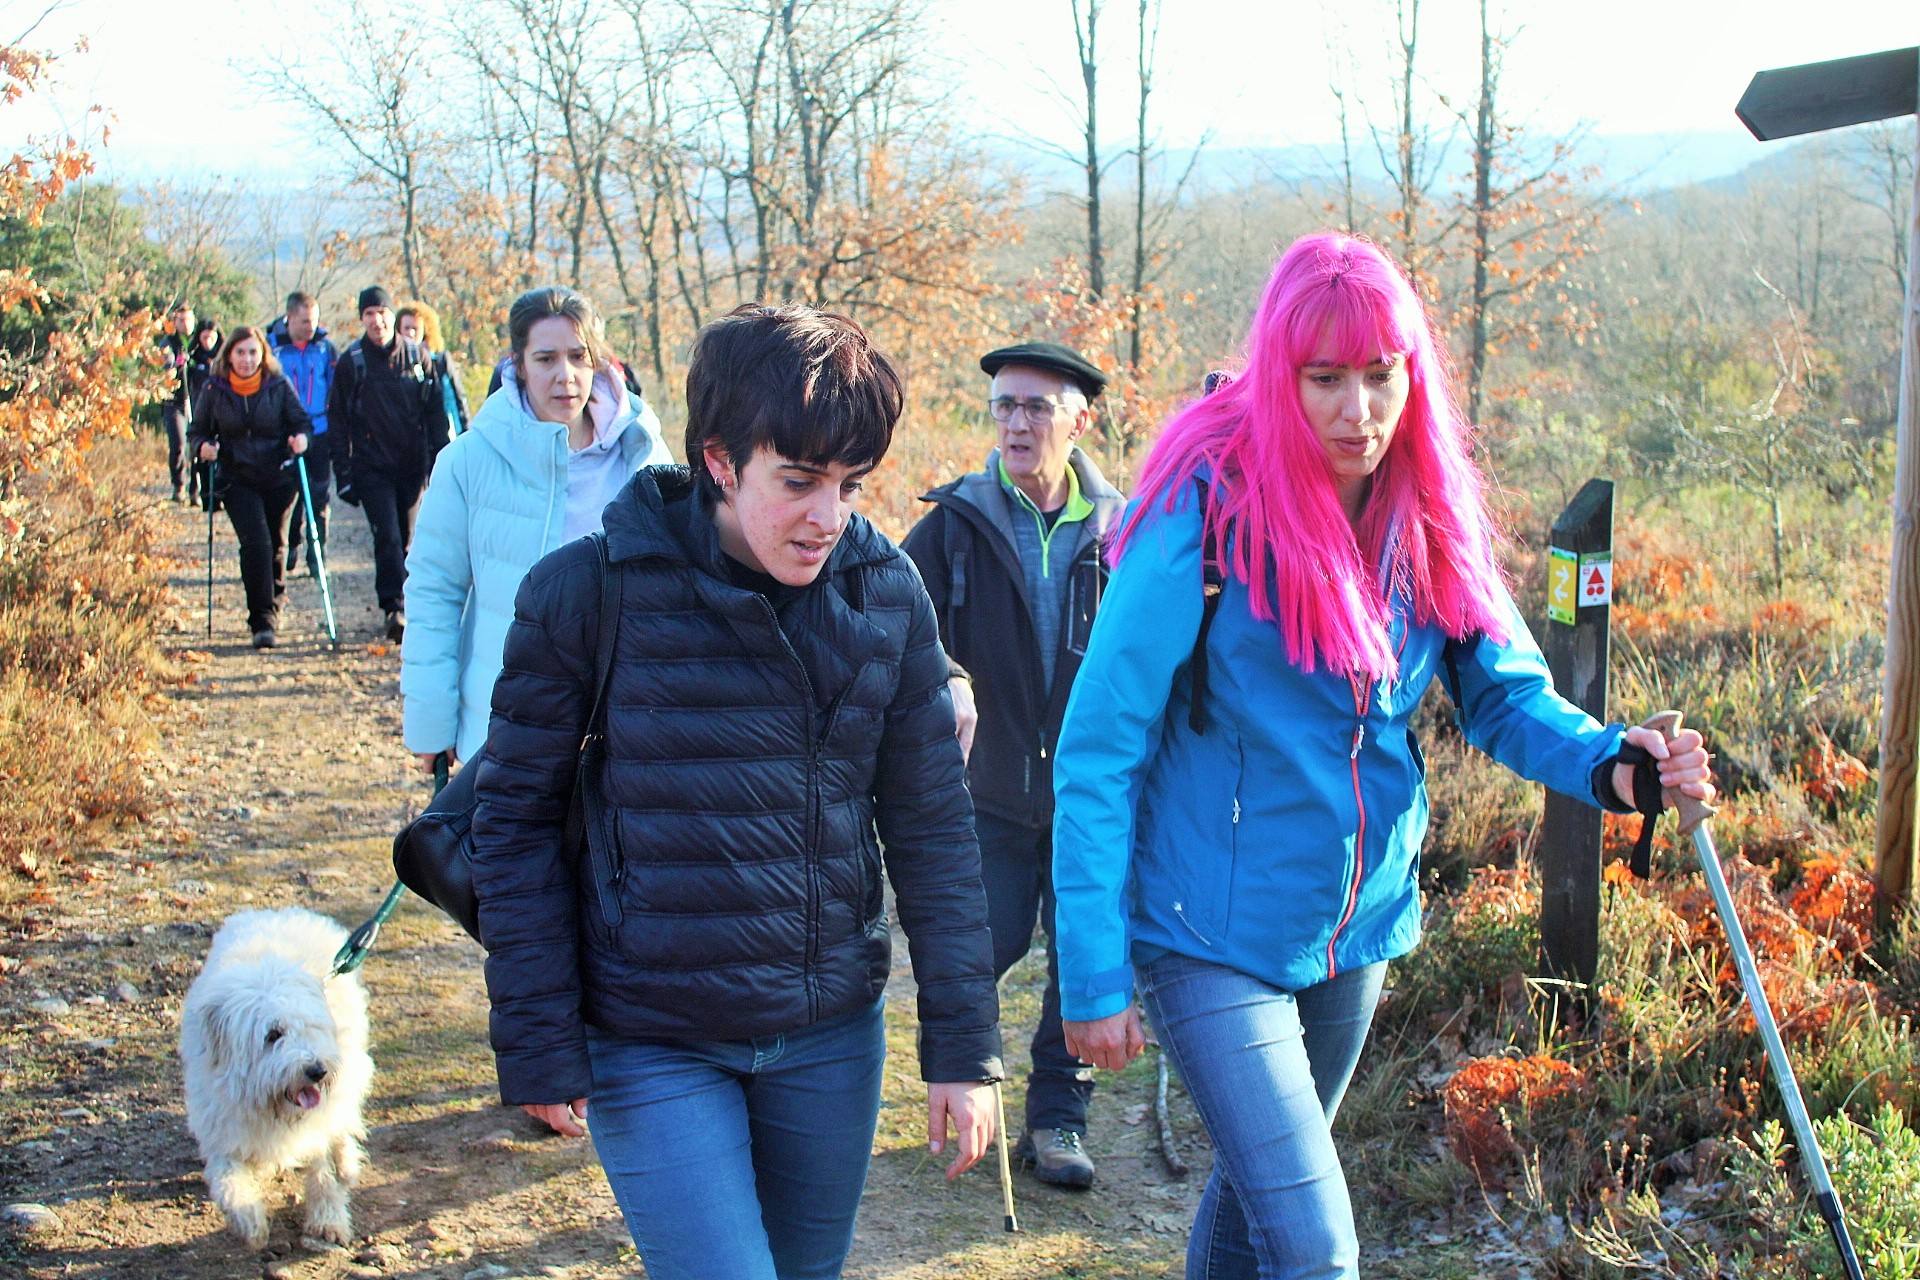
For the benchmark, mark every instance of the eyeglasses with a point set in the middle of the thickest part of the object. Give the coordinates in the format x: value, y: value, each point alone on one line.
x: 1039, y: 410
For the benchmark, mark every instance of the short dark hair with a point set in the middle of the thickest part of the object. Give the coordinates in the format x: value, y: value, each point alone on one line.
x: 298, y: 298
x: 808, y: 384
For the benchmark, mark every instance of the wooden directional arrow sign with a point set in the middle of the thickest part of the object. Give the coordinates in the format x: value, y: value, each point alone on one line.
x: 1830, y: 95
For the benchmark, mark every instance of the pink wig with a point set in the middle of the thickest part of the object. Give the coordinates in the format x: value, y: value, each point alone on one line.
x: 1424, y: 532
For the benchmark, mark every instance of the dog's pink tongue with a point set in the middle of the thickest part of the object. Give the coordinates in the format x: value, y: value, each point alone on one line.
x: 308, y: 1098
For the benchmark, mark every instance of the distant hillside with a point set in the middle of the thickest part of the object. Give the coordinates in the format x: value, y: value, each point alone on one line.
x: 1637, y: 164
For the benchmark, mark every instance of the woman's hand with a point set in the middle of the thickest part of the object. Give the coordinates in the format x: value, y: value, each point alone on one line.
x: 966, y: 717
x: 425, y: 760
x: 1110, y: 1043
x: 209, y: 451
x: 970, y: 1108
x: 565, y: 1118
x: 1682, y: 763
x: 298, y: 444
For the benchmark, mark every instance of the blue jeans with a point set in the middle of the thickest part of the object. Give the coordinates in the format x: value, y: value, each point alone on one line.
x: 1267, y: 1069
x: 1016, y: 867
x: 740, y: 1158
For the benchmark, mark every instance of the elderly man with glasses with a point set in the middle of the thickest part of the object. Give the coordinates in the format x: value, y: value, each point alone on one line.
x: 1011, y: 557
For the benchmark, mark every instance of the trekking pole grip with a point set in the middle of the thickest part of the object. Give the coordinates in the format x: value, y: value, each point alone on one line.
x: 1693, y: 810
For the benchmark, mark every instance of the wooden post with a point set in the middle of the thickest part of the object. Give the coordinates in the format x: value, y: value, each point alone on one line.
x: 1785, y: 103
x: 1579, y: 592
x: 1896, y: 855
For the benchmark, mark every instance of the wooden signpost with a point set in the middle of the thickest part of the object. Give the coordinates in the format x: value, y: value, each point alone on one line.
x: 1579, y: 592
x: 1808, y: 99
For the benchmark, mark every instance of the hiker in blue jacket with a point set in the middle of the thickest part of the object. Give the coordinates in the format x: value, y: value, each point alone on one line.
x: 539, y: 464
x: 1240, y: 800
x: 307, y: 357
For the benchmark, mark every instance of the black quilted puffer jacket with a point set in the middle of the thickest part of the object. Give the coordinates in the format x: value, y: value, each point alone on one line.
x: 753, y: 776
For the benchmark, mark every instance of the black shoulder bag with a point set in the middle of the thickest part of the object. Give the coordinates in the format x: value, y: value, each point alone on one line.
x: 433, y: 854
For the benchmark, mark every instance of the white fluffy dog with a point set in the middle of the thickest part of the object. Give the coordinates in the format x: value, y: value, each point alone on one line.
x: 274, y: 1052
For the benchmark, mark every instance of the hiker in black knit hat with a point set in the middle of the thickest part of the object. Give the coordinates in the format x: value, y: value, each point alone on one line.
x: 384, y: 411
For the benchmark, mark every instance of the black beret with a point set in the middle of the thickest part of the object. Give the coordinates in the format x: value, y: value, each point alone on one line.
x: 1049, y: 355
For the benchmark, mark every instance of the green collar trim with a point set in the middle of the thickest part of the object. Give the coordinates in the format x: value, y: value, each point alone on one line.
x: 1077, y: 508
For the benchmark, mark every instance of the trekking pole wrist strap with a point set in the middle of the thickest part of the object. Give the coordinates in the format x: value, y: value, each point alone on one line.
x: 1647, y: 802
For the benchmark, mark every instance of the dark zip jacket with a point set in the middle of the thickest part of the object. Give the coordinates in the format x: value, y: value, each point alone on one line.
x: 252, y: 431
x: 393, y: 424
x: 966, y: 553
x: 755, y: 771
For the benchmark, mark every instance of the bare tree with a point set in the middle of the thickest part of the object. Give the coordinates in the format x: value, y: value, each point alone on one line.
x: 1086, y: 33
x: 377, y: 105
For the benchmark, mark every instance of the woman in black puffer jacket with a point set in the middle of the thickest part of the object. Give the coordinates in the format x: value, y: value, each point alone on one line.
x: 778, y: 712
x: 248, y: 422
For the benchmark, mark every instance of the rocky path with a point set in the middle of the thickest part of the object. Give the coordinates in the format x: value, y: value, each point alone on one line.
x: 287, y: 779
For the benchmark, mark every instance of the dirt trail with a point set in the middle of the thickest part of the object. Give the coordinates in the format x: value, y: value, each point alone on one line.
x: 289, y: 779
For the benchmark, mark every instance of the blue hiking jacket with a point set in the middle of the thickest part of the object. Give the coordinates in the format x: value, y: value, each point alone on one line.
x: 311, y: 373
x: 496, y: 505
x: 1284, y: 841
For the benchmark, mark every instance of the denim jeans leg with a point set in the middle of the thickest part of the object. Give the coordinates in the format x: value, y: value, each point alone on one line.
x: 812, y: 1111
x: 669, y: 1122
x: 1276, y: 1207
x: 740, y: 1158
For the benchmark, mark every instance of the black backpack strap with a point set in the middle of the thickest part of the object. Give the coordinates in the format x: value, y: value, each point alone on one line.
x: 1213, y: 581
x: 588, y: 837
x: 611, y: 580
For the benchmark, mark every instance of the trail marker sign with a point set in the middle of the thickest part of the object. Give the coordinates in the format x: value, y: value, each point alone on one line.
x: 1783, y: 103
x: 1581, y: 543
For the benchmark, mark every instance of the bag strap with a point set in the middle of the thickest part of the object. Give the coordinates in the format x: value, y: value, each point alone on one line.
x: 612, y: 578
x: 1213, y: 581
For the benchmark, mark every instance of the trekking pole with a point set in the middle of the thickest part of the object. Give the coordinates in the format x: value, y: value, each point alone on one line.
x: 1006, y: 1166
x: 213, y: 468
x: 1693, y: 821
x: 316, y: 550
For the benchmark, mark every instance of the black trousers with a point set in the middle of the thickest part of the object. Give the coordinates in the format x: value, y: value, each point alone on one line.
x: 389, y: 501
x: 259, y: 517
x: 174, y: 419
x: 1016, y: 866
x: 319, y: 456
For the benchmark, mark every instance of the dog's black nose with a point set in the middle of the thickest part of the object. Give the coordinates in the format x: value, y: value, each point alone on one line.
x: 316, y: 1072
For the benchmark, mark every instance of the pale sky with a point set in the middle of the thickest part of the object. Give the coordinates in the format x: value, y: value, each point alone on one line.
x: 1250, y: 72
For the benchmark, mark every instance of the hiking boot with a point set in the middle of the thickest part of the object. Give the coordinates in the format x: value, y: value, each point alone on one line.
x: 396, y: 625
x: 265, y: 639
x: 179, y: 495
x: 1056, y: 1157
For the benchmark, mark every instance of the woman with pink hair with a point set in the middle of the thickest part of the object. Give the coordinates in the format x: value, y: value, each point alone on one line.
x: 1241, y: 801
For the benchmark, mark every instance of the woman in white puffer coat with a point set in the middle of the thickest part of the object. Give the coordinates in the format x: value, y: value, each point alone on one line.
x: 533, y: 471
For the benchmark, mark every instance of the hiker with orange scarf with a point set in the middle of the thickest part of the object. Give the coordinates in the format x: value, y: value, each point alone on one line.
x: 249, y: 423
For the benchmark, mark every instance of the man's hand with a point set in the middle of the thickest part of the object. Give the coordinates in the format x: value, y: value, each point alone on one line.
x: 1110, y: 1043
x: 966, y: 718
x: 565, y: 1118
x: 209, y: 451
x: 427, y: 759
x: 971, y: 1111
x: 298, y: 444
